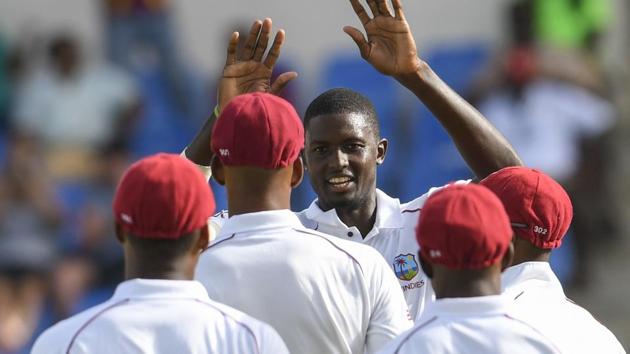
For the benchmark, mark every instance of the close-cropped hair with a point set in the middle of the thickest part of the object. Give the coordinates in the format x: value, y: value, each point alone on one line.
x: 343, y: 101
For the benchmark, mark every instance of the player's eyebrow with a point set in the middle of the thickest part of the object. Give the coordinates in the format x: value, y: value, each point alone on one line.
x: 319, y: 142
x: 354, y: 140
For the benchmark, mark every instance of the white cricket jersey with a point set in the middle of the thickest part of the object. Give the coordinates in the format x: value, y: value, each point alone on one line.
x: 393, y: 236
x: 475, y: 325
x: 160, y: 316
x: 322, y: 294
x: 539, y: 299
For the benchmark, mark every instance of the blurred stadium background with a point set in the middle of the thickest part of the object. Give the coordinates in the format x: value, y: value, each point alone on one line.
x: 88, y: 86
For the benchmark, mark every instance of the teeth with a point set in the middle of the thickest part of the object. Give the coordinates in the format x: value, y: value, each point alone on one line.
x: 339, y: 180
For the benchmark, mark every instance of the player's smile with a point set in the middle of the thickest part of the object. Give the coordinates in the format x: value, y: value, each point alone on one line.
x: 340, y: 183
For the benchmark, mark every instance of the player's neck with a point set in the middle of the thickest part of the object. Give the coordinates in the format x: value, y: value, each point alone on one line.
x: 526, y: 252
x: 241, y: 202
x: 469, y: 289
x: 149, y: 270
x: 362, y: 217
x: 467, y: 283
x: 520, y: 259
x: 251, y: 190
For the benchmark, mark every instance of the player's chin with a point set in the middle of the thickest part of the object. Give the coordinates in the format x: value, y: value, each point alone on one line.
x: 340, y: 199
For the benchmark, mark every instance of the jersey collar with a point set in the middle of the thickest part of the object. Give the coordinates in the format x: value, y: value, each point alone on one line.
x: 470, y: 306
x: 541, y: 272
x: 160, y: 288
x: 264, y: 220
x: 388, y: 215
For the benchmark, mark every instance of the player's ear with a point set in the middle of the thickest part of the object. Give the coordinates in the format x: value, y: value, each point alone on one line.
x: 508, y: 257
x: 298, y: 172
x: 426, y: 266
x: 204, y: 239
x: 217, y: 170
x: 120, y: 234
x: 381, y: 151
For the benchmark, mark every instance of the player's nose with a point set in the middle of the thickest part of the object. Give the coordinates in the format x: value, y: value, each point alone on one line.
x: 338, y: 160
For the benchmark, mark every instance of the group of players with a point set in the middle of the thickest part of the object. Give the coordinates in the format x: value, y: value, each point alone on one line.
x: 461, y: 269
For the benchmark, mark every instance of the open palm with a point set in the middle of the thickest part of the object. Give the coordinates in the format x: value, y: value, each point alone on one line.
x: 245, y: 77
x: 248, y: 72
x: 390, y: 46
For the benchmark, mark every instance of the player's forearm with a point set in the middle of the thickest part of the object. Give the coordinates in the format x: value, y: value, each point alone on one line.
x: 482, y: 146
x: 199, y: 150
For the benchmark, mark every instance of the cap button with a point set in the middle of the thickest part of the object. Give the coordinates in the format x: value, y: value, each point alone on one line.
x: 350, y: 234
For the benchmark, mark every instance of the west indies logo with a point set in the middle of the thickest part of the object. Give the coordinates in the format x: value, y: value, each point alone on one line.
x: 405, y: 266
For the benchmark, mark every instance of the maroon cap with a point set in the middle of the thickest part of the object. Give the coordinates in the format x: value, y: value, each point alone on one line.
x: 539, y: 208
x: 163, y: 196
x: 258, y: 130
x: 463, y: 227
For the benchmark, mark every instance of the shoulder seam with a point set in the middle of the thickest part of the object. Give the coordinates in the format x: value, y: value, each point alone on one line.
x: 309, y: 232
x: 247, y: 328
x: 414, y: 331
x: 88, y: 322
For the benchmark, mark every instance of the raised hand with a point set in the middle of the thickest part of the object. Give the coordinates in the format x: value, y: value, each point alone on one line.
x: 390, y: 46
x: 248, y: 72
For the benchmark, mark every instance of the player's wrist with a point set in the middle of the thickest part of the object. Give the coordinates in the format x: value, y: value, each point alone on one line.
x: 415, y: 77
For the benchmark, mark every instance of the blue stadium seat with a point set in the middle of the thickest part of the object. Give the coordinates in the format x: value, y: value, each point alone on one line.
x: 92, y: 298
x: 435, y: 159
x: 458, y: 64
x: 72, y: 195
x: 162, y: 127
x: 3, y: 147
x: 563, y: 260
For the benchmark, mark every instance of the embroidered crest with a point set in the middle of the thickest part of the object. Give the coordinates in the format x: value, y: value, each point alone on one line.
x: 405, y: 266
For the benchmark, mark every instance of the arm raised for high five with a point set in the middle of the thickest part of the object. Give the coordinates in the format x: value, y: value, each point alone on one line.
x: 243, y: 74
x: 390, y: 48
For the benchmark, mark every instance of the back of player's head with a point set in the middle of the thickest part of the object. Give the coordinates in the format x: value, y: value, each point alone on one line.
x: 162, y: 197
x: 463, y: 227
x: 258, y: 130
x: 539, y: 209
x: 343, y: 101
